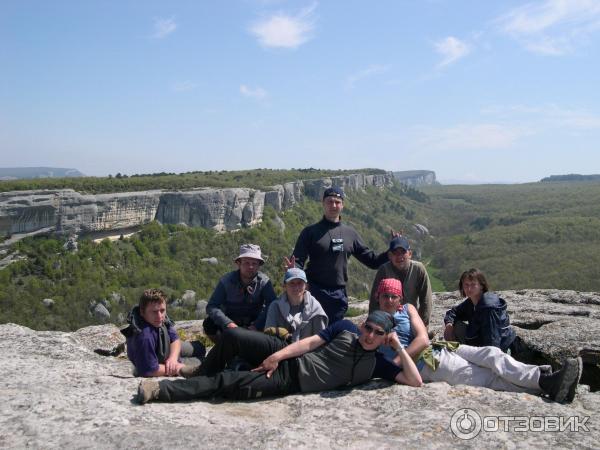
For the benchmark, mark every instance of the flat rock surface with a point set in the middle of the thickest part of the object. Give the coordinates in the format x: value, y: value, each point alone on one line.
x: 57, y: 392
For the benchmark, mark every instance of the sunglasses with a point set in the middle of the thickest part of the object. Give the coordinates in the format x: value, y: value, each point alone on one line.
x: 370, y: 329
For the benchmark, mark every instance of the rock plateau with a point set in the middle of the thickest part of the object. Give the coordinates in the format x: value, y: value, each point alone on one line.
x: 57, y: 392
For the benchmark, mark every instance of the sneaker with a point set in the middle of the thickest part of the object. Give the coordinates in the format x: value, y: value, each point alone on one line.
x: 148, y: 391
x: 568, y: 376
x: 573, y: 387
x: 189, y: 371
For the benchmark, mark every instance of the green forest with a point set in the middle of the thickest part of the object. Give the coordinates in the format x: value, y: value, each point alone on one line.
x: 538, y: 235
x: 535, y: 235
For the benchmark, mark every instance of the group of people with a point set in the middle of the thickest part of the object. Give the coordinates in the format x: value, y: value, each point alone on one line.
x: 300, y: 341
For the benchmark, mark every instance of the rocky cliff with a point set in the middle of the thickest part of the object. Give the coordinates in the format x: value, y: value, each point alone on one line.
x: 416, y: 177
x: 57, y: 392
x: 67, y: 211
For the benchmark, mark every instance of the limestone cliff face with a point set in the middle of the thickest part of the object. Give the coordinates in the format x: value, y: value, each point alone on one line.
x: 67, y: 211
x: 221, y: 209
x: 27, y: 211
x: 416, y: 177
x: 103, y: 212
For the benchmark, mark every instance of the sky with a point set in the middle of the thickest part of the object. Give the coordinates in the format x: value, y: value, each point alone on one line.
x: 477, y: 91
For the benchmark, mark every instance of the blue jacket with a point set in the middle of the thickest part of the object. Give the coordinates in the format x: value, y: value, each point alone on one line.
x: 488, y: 322
x: 231, y: 301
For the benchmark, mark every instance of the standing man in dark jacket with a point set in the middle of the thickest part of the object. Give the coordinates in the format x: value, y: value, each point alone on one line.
x: 242, y: 297
x: 484, y: 312
x: 327, y: 245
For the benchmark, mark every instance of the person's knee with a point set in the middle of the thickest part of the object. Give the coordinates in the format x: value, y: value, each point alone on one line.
x: 198, y: 349
x: 460, y: 331
x: 210, y: 327
x: 233, y: 334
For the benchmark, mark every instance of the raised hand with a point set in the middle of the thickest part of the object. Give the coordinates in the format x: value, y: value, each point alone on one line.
x: 289, y: 263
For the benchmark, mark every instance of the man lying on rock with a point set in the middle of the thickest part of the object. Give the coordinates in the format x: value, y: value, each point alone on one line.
x: 242, y: 297
x: 340, y: 355
x: 152, y: 342
x: 455, y: 363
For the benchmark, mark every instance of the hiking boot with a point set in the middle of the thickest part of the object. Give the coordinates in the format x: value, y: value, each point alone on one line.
x: 148, y: 391
x: 559, y: 384
x: 189, y: 371
x: 573, y: 388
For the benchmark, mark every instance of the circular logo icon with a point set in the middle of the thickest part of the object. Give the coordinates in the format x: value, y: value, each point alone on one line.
x: 465, y: 424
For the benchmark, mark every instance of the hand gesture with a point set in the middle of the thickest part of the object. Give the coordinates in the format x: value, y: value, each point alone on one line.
x: 394, y: 233
x: 289, y: 263
x: 392, y: 340
x: 269, y: 365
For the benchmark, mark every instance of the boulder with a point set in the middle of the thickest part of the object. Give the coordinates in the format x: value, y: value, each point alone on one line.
x: 212, y: 261
x: 200, y: 312
x: 117, y: 298
x: 422, y: 230
x: 188, y: 298
x: 48, y: 302
x: 100, y: 312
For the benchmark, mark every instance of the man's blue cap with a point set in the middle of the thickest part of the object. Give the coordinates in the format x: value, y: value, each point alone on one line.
x: 399, y: 242
x: 333, y: 191
x: 381, y: 318
x: 294, y: 274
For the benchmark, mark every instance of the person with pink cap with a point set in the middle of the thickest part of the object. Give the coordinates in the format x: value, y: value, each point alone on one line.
x: 456, y: 363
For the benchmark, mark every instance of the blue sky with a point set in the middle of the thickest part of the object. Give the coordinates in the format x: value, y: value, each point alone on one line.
x: 478, y: 91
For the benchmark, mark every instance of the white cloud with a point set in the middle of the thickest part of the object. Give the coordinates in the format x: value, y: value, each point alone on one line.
x: 451, y: 49
x: 284, y: 30
x: 551, y: 27
x: 257, y: 93
x: 365, y: 73
x: 182, y: 86
x: 483, y: 136
x: 164, y: 27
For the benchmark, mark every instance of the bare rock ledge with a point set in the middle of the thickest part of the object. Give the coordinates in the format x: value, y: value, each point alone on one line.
x: 57, y: 392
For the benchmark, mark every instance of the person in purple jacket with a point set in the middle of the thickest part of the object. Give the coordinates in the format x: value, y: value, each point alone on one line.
x: 152, y: 342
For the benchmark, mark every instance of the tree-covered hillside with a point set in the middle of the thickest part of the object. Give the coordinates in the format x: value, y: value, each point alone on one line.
x: 170, y: 257
x: 538, y: 235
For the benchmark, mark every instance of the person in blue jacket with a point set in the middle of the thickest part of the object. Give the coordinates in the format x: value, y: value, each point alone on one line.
x: 481, y: 319
x: 242, y: 297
